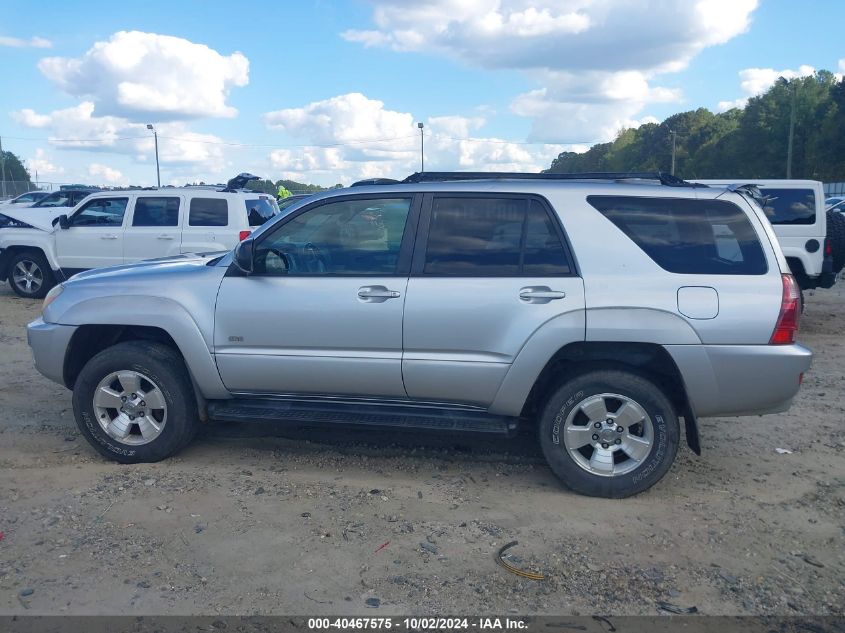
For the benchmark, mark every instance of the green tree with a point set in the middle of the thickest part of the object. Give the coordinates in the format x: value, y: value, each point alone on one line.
x: 17, y: 179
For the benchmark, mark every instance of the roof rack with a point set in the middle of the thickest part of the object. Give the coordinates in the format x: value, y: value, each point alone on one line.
x: 374, y: 181
x: 442, y: 176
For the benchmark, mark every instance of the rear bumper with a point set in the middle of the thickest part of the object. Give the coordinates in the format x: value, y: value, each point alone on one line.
x: 49, y: 343
x: 725, y: 380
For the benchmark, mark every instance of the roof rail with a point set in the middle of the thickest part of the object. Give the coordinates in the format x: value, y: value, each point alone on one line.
x: 374, y: 181
x: 442, y: 176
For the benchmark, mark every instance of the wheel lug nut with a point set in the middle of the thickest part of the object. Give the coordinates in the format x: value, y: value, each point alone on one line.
x: 597, y: 425
x: 133, y: 396
x: 605, y: 445
x: 143, y: 404
x: 618, y: 441
x: 123, y: 398
x: 595, y: 437
x: 131, y: 417
x: 619, y: 429
x: 141, y: 415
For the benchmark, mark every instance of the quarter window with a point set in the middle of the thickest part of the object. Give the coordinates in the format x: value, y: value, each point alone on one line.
x: 151, y: 211
x: 694, y: 237
x: 350, y: 237
x: 502, y: 237
x: 209, y: 212
x: 261, y: 209
x: 101, y: 212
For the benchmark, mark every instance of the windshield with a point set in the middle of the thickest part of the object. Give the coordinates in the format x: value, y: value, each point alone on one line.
x: 58, y: 199
x: 260, y: 209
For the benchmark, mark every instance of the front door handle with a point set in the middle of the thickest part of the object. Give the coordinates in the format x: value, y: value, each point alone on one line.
x: 165, y: 237
x: 377, y: 294
x: 110, y: 236
x: 540, y: 294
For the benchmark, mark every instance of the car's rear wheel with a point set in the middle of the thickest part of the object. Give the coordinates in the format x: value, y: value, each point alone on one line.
x: 609, y: 433
x: 134, y: 402
x: 29, y: 275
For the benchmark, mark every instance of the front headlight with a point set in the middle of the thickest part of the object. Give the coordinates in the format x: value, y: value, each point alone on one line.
x: 52, y: 296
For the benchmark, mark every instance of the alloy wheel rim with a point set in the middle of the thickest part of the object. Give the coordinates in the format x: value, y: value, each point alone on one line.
x: 608, y: 434
x: 27, y: 276
x: 130, y: 407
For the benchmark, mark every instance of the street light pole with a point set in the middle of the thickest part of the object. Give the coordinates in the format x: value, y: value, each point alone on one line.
x: 674, y: 138
x: 155, y: 136
x: 422, y: 147
x: 791, y: 135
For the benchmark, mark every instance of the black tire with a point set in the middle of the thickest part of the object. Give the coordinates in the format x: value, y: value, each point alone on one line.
x: 35, y: 262
x: 836, y: 234
x: 165, y: 368
x: 566, y: 399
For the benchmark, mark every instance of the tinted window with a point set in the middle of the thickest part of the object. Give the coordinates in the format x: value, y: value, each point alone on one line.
x: 156, y: 212
x: 492, y: 237
x: 58, y: 199
x: 209, y: 212
x: 260, y: 209
x: 790, y: 206
x: 101, y: 212
x: 688, y: 236
x: 351, y: 237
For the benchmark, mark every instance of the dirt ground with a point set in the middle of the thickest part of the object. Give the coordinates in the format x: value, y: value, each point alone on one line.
x: 252, y: 520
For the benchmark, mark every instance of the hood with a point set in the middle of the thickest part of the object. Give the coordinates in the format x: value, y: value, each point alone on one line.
x: 39, y: 218
x: 161, y: 264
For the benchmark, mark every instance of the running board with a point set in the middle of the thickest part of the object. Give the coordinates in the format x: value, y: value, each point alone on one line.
x: 358, y: 414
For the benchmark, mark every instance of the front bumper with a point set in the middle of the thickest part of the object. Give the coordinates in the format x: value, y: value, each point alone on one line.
x: 49, y: 343
x: 726, y: 380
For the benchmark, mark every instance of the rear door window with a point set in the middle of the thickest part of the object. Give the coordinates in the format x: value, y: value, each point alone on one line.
x: 260, y: 209
x: 789, y: 206
x: 694, y: 237
x: 493, y: 237
x: 155, y: 211
x: 208, y: 212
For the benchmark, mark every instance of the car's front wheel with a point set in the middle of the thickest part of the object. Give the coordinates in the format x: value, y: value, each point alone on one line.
x: 134, y: 402
x: 609, y: 433
x: 29, y: 275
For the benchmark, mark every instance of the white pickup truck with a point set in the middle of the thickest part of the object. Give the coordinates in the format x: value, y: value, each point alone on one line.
x: 41, y: 247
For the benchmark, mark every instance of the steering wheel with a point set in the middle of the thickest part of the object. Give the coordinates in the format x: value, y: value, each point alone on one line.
x: 272, y: 262
x: 315, y: 260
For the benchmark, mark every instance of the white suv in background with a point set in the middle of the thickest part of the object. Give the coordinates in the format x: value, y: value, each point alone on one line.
x: 120, y: 227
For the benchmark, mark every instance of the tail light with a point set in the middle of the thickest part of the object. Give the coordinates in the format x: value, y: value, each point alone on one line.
x: 828, y: 247
x: 786, y: 330
x: 243, y: 235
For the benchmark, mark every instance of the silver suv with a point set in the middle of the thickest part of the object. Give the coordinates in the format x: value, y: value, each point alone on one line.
x: 603, y: 308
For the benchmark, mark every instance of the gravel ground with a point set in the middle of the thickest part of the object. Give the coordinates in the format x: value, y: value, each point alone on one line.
x: 251, y: 520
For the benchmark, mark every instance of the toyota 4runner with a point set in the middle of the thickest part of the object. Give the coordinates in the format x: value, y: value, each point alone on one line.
x: 602, y: 308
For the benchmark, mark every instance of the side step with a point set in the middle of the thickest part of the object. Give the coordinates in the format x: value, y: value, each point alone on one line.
x: 361, y: 414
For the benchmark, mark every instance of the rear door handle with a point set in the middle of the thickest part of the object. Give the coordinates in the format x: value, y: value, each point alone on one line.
x: 165, y: 237
x: 108, y: 237
x: 377, y: 294
x: 540, y: 294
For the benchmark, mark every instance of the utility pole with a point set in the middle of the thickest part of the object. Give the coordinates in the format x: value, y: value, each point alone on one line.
x: 422, y: 147
x: 2, y: 169
x: 791, y: 135
x: 155, y: 136
x: 674, y: 138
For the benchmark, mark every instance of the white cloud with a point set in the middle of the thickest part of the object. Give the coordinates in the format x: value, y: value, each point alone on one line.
x: 106, y: 174
x: 594, y: 60
x: 144, y: 76
x: 33, y: 42
x: 42, y: 164
x: 78, y: 128
x: 755, y: 81
x: 842, y: 65
x: 361, y: 138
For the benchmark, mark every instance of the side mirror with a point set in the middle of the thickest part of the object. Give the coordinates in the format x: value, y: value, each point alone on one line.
x: 62, y: 221
x: 243, y: 256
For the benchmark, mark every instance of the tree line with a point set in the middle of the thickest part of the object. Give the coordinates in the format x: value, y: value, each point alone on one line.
x: 751, y: 142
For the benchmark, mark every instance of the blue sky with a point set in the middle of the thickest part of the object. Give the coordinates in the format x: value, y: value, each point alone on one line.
x: 330, y: 92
